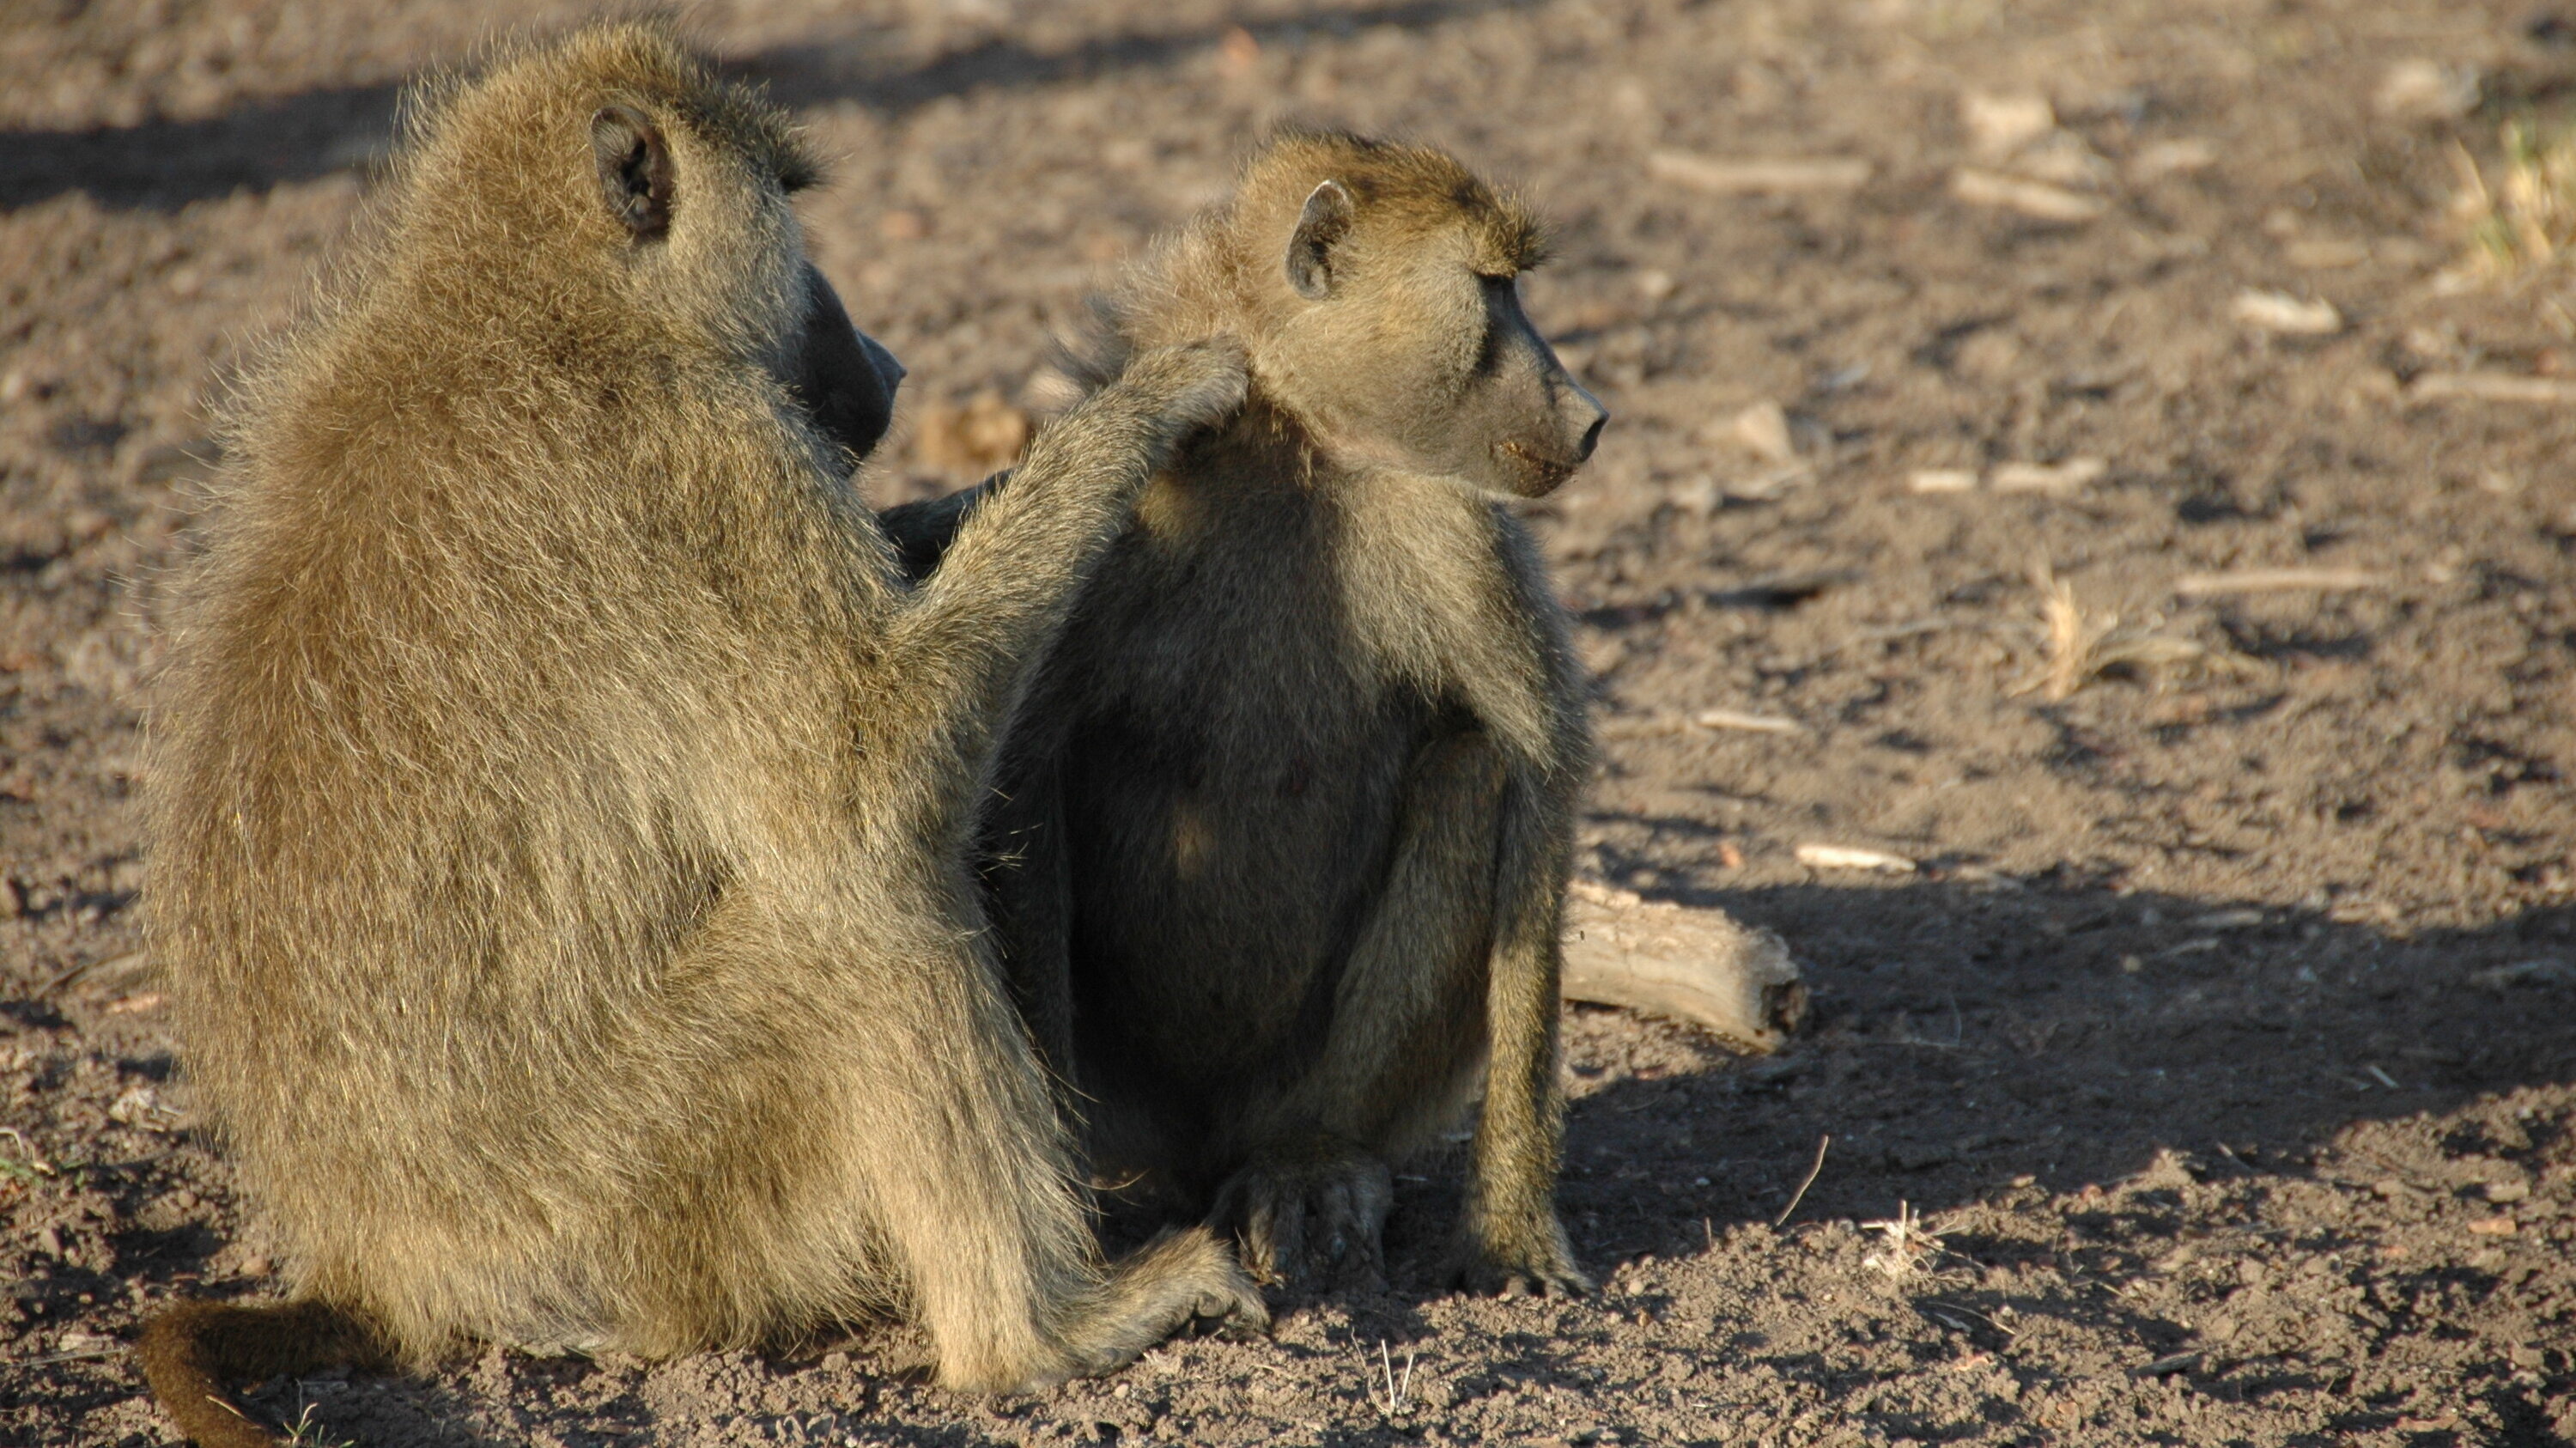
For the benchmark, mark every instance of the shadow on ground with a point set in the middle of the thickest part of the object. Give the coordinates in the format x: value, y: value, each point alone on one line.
x: 162, y: 165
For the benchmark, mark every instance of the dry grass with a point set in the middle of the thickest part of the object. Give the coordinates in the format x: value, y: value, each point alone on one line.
x: 1906, y: 1247
x: 2082, y: 647
x: 2524, y: 216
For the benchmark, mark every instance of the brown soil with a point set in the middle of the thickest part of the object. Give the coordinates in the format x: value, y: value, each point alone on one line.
x: 2224, y: 1035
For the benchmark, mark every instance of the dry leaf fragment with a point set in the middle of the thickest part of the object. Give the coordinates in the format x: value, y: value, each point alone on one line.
x: 1764, y: 428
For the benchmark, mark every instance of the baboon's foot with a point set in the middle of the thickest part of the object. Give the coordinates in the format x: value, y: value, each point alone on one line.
x: 1528, y: 1258
x: 1183, y: 1278
x: 1311, y: 1217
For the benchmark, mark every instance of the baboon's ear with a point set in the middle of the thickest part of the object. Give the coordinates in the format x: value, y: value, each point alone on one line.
x: 1320, y: 227
x: 634, y: 170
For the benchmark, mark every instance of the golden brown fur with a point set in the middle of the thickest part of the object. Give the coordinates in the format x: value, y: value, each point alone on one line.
x: 1289, y: 810
x: 561, y: 803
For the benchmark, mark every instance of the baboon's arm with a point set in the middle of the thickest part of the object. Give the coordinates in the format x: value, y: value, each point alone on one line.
x: 1510, y: 1234
x: 922, y: 531
x: 955, y: 658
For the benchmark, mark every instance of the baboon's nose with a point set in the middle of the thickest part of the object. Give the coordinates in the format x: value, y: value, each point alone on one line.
x: 1591, y: 434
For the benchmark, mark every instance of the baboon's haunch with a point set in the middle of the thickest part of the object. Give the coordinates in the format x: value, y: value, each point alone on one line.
x: 562, y: 803
x: 1290, y: 806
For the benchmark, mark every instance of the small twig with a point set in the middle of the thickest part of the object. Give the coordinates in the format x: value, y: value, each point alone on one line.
x: 79, y: 1355
x: 2275, y: 580
x: 1948, y: 1306
x: 1786, y: 1212
x: 113, y: 963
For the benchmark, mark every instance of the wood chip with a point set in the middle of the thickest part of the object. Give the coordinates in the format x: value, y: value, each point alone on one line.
x: 1700, y: 966
x: 1845, y: 857
x: 2494, y: 387
x: 2275, y: 580
x: 2030, y: 198
x: 1749, y: 723
x: 1737, y: 176
x: 2280, y: 312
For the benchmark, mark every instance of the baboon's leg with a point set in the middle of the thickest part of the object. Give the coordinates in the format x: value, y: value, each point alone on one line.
x: 1509, y: 1238
x: 947, y: 1134
x: 1406, y: 1032
x: 1029, y: 878
x: 957, y: 657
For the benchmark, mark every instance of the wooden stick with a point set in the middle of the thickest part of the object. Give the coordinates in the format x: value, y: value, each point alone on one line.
x: 1697, y: 966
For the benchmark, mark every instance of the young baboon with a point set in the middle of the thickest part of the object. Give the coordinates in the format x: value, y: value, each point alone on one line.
x: 1289, y: 808
x: 562, y: 805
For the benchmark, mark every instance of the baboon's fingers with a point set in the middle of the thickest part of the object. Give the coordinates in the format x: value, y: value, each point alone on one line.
x: 1286, y: 1248
x: 1541, y: 1267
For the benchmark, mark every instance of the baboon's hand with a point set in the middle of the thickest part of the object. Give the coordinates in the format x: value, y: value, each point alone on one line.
x: 1529, y: 1260
x: 1194, y: 385
x: 1311, y: 1218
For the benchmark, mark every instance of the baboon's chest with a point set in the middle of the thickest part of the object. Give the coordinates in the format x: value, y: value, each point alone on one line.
x: 1231, y: 787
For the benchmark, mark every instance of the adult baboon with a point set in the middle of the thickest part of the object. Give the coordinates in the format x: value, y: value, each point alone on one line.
x: 1290, y: 806
x: 563, y: 805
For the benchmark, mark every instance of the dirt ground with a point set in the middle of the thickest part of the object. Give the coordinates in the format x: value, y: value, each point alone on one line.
x: 2209, y: 1079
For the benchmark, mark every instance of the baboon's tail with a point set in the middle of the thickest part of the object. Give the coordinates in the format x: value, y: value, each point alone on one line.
x: 191, y: 1351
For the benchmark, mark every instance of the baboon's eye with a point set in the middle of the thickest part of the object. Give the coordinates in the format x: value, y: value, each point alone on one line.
x: 1501, y: 301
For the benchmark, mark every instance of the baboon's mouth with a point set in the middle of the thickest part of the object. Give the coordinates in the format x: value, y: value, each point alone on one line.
x: 1545, y: 474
